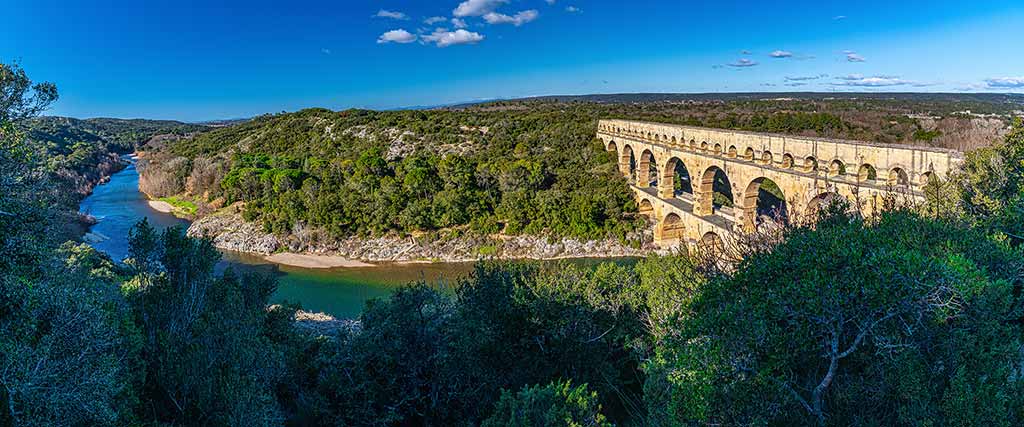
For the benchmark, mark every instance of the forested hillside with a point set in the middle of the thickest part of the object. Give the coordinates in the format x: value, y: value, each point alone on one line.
x: 368, y: 173
x: 507, y: 167
x: 914, y: 316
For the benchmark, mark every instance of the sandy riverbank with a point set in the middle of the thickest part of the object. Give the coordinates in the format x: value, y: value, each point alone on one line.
x: 161, y: 206
x: 315, y: 261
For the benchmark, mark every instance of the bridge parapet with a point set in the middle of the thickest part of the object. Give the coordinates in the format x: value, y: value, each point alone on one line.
x: 892, y: 162
x: 693, y: 181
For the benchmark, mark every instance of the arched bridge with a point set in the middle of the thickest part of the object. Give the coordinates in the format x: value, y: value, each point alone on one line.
x: 704, y: 185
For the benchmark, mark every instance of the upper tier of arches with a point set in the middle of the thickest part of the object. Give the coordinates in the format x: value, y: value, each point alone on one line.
x: 860, y: 162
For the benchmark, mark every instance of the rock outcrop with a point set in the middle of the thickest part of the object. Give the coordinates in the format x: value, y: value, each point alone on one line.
x: 229, y: 231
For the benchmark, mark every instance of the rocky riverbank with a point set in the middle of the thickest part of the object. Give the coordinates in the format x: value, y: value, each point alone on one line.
x: 229, y: 231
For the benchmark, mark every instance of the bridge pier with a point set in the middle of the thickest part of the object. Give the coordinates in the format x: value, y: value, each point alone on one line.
x: 803, y: 172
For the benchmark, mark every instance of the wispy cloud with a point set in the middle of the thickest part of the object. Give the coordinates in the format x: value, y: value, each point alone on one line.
x: 1005, y: 83
x: 396, y: 36
x: 459, y: 23
x: 572, y: 9
x: 742, y: 63
x: 325, y: 51
x: 873, y: 81
x: 441, y: 37
x: 781, y: 54
x: 839, y: 17
x: 391, y: 14
x: 517, y: 19
x: 804, y: 78
x: 434, y: 20
x: 476, y: 7
x: 852, y: 56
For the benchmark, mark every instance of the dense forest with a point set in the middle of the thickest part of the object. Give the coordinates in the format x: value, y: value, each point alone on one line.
x: 506, y: 167
x: 911, y: 317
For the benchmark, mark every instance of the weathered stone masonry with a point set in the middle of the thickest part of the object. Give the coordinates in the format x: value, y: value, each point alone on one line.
x: 806, y: 170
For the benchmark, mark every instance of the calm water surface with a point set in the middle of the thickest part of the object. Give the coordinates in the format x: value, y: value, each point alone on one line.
x: 342, y: 292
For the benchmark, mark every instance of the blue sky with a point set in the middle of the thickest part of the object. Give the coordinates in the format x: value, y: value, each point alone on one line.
x: 194, y: 60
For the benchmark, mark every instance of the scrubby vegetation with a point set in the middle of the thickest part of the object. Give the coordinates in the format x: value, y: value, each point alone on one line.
x: 912, y: 317
x: 511, y: 166
x: 369, y: 173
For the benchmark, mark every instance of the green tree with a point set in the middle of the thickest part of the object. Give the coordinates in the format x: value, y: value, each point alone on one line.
x: 554, y: 405
x: 873, y: 323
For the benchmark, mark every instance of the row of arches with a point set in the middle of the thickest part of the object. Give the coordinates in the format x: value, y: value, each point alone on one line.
x: 671, y: 229
x: 710, y: 191
x: 866, y: 173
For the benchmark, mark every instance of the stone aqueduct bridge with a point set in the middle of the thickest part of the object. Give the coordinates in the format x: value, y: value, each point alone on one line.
x: 806, y: 170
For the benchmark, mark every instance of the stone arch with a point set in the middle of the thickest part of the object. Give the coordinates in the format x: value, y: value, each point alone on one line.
x: 674, y: 140
x: 787, y: 161
x: 714, y: 190
x: 927, y: 178
x: 898, y: 177
x: 646, y: 208
x: 704, y: 146
x: 612, y: 147
x: 718, y: 149
x: 810, y: 164
x: 866, y: 173
x: 711, y: 242
x: 647, y: 172
x: 627, y: 163
x: 748, y: 154
x: 675, y: 179
x: 671, y: 230
x: 732, y: 152
x: 693, y: 144
x: 763, y: 201
x: 820, y: 201
x: 836, y: 168
x: 766, y: 157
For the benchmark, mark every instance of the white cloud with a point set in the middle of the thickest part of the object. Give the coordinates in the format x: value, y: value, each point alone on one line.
x: 444, y: 38
x: 839, y: 17
x: 572, y: 9
x: 781, y: 54
x: 396, y: 36
x: 476, y: 7
x: 391, y: 14
x: 804, y: 78
x: 743, y: 62
x: 517, y: 20
x: 459, y: 23
x: 434, y: 20
x: 1005, y: 83
x: 874, y: 81
x: 852, y: 56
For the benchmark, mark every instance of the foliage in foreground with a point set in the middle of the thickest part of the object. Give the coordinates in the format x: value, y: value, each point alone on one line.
x: 556, y: 404
x: 898, y: 320
x: 891, y: 321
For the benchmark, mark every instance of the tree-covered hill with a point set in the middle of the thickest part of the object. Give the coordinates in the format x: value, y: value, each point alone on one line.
x: 913, y: 317
x: 360, y: 172
x: 118, y: 135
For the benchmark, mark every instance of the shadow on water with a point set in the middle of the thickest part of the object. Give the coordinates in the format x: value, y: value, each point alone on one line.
x: 341, y: 292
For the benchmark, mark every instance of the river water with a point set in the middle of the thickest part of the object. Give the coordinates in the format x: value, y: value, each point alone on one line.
x: 342, y: 292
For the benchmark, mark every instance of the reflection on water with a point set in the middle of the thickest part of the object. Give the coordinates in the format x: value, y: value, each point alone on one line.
x: 342, y: 292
